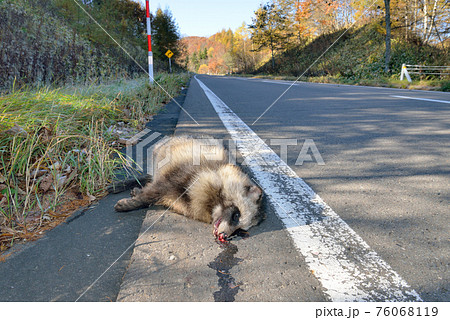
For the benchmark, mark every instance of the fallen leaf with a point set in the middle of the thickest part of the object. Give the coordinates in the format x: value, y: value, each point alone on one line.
x: 91, y: 197
x: 38, y: 173
x: 55, y: 166
x: 45, y: 134
x: 71, y: 176
x: 20, y: 191
x: 127, y: 112
x: 46, y: 182
x: 59, y: 181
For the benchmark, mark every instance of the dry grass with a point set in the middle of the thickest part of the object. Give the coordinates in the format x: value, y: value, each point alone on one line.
x: 56, y: 152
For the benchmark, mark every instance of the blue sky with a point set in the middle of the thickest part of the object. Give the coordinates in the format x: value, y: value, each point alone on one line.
x: 206, y: 17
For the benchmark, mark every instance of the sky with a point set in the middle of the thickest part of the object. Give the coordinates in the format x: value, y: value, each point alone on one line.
x: 206, y: 17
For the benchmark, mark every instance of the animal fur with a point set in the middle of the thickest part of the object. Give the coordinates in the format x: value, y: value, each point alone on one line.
x: 212, y: 191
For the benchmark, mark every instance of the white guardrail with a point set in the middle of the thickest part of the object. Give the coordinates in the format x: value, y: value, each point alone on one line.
x: 408, y: 69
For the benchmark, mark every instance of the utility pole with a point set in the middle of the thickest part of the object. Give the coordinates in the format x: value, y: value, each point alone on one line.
x: 387, y: 57
x: 149, y: 39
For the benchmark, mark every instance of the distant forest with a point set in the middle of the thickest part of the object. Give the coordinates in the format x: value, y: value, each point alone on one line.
x: 286, y: 36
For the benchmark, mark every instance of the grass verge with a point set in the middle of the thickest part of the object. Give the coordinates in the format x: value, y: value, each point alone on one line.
x: 59, y: 148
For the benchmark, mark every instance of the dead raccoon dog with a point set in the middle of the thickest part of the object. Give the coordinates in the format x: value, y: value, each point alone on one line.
x: 198, y: 187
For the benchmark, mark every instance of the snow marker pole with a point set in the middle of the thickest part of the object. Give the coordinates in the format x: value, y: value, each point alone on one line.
x: 149, y: 39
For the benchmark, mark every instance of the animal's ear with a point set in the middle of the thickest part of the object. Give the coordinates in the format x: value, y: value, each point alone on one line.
x: 255, y: 193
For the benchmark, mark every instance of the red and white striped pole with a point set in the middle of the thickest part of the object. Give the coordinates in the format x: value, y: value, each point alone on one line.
x: 149, y: 38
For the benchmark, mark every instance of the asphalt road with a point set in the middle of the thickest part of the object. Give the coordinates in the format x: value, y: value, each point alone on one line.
x: 385, y: 174
x: 385, y: 177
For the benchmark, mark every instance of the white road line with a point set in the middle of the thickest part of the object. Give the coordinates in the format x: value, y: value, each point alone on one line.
x: 280, y: 82
x: 423, y: 99
x: 347, y: 267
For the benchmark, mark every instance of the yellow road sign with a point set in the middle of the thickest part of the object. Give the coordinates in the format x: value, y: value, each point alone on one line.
x: 169, y: 54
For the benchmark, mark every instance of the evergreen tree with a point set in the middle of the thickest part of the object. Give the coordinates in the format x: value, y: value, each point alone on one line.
x: 165, y: 35
x: 203, y: 54
x: 195, y: 61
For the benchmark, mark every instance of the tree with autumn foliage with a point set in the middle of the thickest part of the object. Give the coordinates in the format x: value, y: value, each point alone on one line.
x: 203, y: 69
x: 242, y: 57
x: 269, y: 28
x: 313, y: 18
x: 426, y: 21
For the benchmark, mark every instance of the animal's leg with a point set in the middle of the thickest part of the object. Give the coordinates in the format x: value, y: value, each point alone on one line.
x: 129, y: 204
x: 141, y: 198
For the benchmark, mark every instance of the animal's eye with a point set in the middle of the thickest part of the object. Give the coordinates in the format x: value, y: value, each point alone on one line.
x: 235, y: 217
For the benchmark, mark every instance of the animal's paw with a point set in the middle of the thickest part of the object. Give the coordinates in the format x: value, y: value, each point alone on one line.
x: 121, y: 205
x: 135, y: 191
